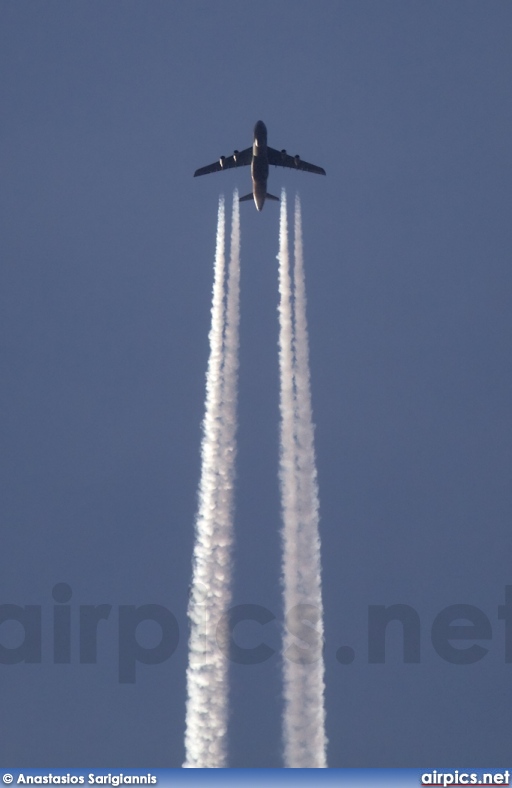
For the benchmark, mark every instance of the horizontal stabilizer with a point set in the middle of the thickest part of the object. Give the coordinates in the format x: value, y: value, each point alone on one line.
x: 247, y: 197
x: 271, y: 197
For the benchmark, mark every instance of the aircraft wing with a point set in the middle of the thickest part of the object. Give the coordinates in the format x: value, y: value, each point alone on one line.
x: 283, y: 159
x: 239, y: 159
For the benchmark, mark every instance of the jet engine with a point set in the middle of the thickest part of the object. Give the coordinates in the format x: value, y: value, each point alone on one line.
x: 235, y: 154
x: 296, y: 159
x: 283, y: 153
x: 222, y: 160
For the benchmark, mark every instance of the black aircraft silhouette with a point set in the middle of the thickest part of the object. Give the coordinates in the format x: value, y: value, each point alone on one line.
x: 259, y: 157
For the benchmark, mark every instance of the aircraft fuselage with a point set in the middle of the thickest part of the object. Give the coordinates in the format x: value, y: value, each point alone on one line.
x: 259, y: 164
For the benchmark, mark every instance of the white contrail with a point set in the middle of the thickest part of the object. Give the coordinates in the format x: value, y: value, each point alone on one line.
x: 309, y: 562
x: 289, y: 487
x: 207, y: 674
x: 304, y: 714
x: 287, y: 465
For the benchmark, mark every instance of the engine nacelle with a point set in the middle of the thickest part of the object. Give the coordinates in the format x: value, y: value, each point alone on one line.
x: 222, y: 160
x: 296, y: 159
x: 235, y: 154
x: 283, y: 153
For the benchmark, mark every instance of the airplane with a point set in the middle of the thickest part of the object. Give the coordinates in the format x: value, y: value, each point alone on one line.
x: 259, y: 157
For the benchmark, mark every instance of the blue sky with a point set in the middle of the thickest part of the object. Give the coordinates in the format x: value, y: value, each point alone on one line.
x: 106, y: 252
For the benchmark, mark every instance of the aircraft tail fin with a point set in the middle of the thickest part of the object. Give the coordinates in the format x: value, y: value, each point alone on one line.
x: 251, y: 197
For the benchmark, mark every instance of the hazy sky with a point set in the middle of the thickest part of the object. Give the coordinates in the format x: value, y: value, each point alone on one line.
x: 106, y: 253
